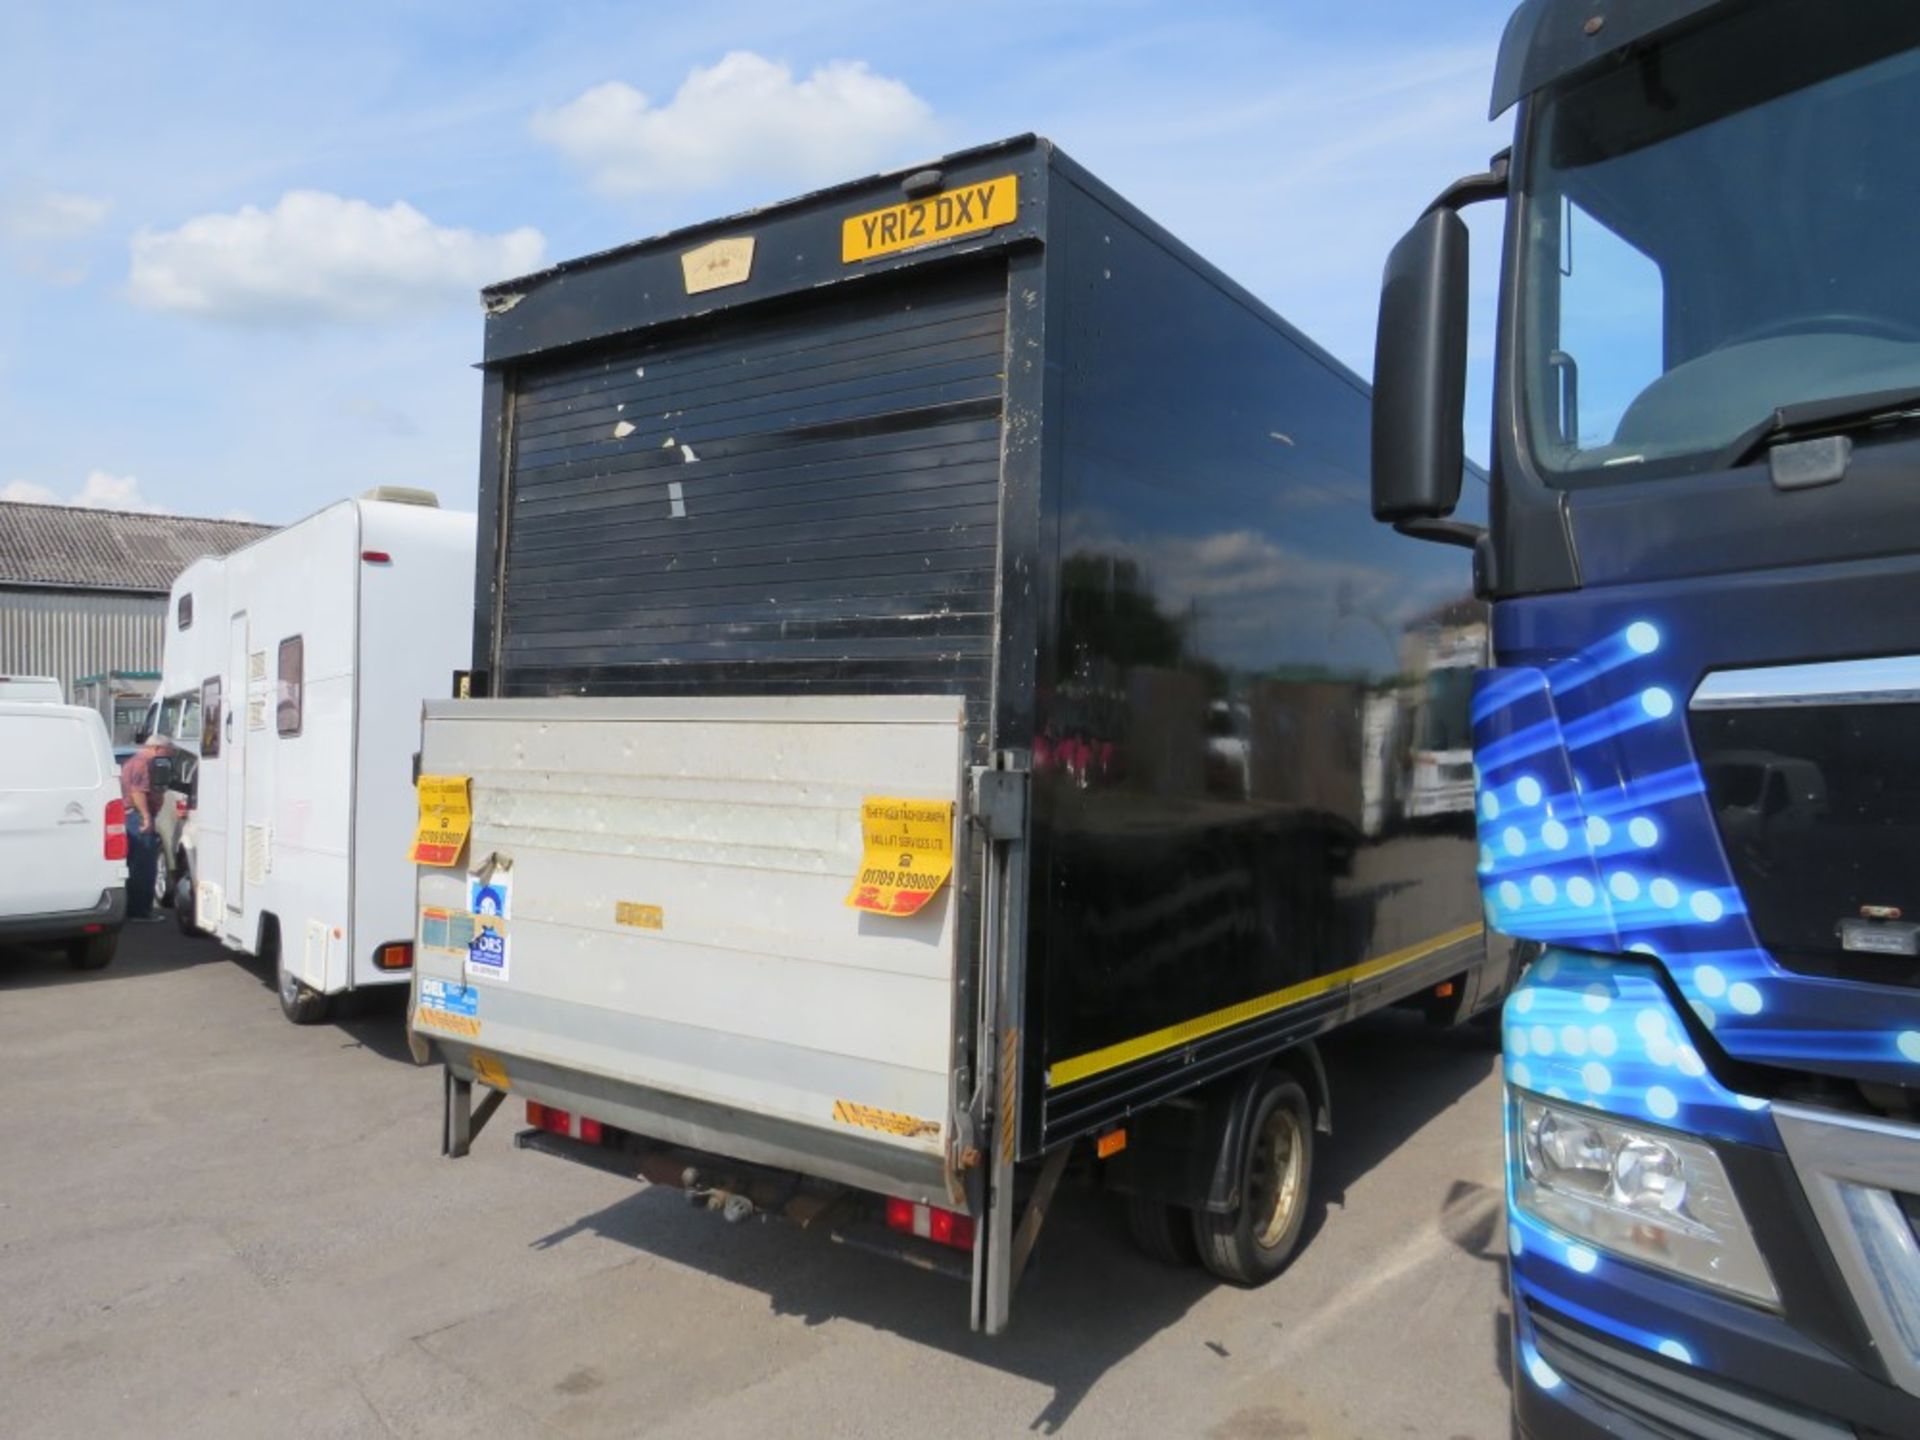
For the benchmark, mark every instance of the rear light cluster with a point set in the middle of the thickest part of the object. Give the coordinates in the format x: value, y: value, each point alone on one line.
x: 395, y: 955
x: 116, y: 832
x: 563, y: 1122
x: 930, y: 1222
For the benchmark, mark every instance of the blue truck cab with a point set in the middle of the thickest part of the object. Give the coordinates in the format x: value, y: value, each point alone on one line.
x: 1697, y: 754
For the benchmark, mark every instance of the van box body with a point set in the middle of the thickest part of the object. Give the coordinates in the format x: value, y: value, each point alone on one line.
x: 1046, y: 519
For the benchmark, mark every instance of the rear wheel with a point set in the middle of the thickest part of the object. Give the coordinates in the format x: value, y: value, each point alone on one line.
x: 299, y: 1004
x: 1253, y: 1243
x: 94, y: 952
x: 183, y: 903
x: 162, y: 877
x: 1163, y: 1232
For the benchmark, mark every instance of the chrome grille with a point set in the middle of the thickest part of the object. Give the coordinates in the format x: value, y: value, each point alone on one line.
x: 1857, y: 1173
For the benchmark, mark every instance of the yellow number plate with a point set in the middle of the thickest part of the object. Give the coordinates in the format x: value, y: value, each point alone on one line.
x: 964, y: 210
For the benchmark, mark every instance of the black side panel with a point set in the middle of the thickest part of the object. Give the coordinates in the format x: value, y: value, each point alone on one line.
x: 770, y: 500
x: 1252, y: 763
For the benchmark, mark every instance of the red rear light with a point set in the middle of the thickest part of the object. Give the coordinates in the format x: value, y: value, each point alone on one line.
x: 180, y: 806
x: 930, y: 1222
x: 116, y: 833
x: 563, y: 1122
x: 376, y: 557
x: 395, y: 955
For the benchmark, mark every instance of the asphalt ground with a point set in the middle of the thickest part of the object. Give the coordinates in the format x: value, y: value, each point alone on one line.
x: 214, y: 1223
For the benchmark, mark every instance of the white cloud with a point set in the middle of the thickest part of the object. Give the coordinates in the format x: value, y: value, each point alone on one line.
x: 101, y: 490
x: 320, y: 256
x: 40, y: 231
x: 744, y: 118
x: 43, y: 216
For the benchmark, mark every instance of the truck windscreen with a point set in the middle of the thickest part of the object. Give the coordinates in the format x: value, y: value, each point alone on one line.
x: 1715, y: 228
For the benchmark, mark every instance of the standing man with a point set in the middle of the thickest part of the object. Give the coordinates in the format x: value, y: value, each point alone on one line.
x: 143, y: 840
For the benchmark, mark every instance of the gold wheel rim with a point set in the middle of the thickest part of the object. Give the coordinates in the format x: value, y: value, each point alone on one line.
x: 1279, y: 1157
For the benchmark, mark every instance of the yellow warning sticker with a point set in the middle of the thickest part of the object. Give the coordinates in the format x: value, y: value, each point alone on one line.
x: 467, y: 1027
x: 868, y: 1118
x: 641, y: 917
x: 446, y: 815
x: 489, y: 1071
x: 964, y: 210
x: 906, y: 854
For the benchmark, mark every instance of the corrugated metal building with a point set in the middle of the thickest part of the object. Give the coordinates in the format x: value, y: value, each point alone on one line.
x: 83, y: 591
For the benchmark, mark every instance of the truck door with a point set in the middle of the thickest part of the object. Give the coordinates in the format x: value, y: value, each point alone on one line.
x: 233, y: 739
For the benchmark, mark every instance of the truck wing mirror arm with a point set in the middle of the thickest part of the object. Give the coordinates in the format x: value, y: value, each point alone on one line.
x: 1441, y: 532
x: 1491, y: 184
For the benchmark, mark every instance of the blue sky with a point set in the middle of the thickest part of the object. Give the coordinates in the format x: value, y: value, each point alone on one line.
x: 239, y: 245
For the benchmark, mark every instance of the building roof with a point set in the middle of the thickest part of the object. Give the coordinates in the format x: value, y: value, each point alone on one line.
x: 68, y: 548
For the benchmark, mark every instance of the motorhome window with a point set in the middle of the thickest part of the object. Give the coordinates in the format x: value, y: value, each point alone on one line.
x: 210, y: 718
x: 292, y: 663
x: 184, y: 610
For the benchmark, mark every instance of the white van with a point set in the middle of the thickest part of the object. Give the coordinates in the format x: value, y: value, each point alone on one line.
x: 42, y: 689
x: 63, y: 831
x: 312, y: 650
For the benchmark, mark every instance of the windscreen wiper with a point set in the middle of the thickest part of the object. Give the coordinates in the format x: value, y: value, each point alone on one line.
x: 1835, y: 415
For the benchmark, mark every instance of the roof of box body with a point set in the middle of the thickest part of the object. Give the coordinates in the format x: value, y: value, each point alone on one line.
x: 495, y: 292
x: 65, y: 547
x: 796, y: 248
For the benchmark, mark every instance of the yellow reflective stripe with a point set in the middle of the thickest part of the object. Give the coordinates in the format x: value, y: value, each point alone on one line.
x: 1065, y: 1072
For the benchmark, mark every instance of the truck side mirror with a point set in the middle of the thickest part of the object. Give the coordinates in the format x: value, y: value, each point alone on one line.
x: 1420, y: 377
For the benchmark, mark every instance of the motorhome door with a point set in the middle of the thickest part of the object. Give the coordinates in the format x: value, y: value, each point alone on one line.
x: 233, y: 750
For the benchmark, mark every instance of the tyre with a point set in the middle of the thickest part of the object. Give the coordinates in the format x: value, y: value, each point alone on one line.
x: 1252, y: 1244
x: 184, y: 901
x: 1163, y: 1232
x: 94, y: 952
x: 162, y: 878
x: 299, y: 1004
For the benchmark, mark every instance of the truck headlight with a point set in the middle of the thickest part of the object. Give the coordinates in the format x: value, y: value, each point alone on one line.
x: 1643, y: 1194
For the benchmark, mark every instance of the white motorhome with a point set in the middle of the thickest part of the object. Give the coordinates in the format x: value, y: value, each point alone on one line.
x: 311, y: 651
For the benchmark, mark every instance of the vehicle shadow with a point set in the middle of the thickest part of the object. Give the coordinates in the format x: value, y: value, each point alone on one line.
x: 375, y: 1020
x: 1089, y: 1301
x: 372, y: 1019
x: 144, y: 949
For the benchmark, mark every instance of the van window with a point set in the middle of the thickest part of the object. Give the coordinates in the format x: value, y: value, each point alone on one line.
x: 210, y: 718
x: 185, y: 612
x: 48, y: 752
x: 293, y: 659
